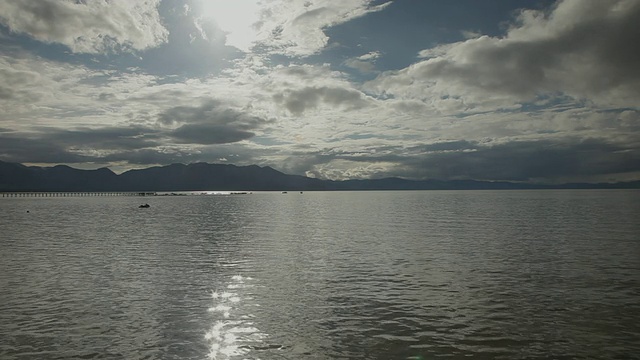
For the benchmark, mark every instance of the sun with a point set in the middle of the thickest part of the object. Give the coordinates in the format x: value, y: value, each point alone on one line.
x: 235, y: 18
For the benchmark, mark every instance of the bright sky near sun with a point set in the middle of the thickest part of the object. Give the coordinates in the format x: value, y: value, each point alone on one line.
x: 531, y: 90
x: 235, y: 18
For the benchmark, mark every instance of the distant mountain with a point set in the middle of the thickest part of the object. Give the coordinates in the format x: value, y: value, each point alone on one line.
x: 203, y: 176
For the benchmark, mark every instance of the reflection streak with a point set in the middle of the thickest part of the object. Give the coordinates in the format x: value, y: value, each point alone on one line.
x: 232, y: 333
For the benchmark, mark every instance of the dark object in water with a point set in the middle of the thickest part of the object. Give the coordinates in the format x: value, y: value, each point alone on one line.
x: 144, y: 206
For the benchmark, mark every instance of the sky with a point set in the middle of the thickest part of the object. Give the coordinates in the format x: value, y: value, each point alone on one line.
x: 527, y: 91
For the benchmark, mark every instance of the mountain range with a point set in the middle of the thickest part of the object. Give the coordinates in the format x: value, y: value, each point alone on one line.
x: 204, y: 176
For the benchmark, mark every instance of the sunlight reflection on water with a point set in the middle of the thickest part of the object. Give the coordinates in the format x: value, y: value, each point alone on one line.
x: 232, y: 333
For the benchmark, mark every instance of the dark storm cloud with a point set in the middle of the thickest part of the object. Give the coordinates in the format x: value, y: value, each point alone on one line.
x: 52, y: 145
x: 209, y: 134
x: 25, y: 150
x: 109, y: 138
x: 298, y: 101
x: 445, y: 146
x: 558, y: 160
x: 133, y: 145
x: 211, y: 111
x: 234, y: 154
x: 527, y: 160
x: 210, y: 123
x: 152, y: 156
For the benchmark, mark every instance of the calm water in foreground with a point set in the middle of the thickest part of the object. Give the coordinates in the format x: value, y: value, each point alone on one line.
x: 322, y: 275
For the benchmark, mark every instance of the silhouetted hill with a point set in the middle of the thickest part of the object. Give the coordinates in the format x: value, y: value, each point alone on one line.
x: 203, y: 176
x: 17, y: 177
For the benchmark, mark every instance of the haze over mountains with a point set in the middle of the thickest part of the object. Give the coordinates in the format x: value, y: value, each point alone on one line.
x: 204, y: 176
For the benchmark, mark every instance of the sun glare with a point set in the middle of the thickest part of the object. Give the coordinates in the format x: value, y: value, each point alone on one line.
x: 235, y: 17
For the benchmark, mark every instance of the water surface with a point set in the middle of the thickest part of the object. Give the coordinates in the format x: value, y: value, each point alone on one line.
x: 322, y: 275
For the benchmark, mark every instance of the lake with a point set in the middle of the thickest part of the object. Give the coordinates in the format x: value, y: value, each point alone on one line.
x: 323, y: 275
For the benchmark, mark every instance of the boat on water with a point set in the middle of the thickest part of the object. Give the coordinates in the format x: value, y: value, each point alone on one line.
x: 144, y: 206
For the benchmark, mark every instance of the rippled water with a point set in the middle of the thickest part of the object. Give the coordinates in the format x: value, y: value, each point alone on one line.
x: 322, y: 275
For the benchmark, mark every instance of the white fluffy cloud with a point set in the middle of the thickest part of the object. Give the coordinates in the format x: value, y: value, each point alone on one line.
x: 92, y: 26
x: 585, y: 49
x: 364, y: 63
x: 297, y: 27
x: 288, y: 27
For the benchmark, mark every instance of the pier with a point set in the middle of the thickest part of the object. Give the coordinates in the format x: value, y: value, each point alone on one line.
x: 71, y: 194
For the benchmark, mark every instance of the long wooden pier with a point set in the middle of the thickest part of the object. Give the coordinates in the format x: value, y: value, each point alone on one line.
x: 71, y: 194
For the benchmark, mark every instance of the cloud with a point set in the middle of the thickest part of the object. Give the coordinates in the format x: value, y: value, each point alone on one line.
x: 443, y: 146
x: 123, y: 146
x: 284, y: 27
x: 232, y: 153
x: 583, y: 49
x: 543, y: 160
x: 87, y: 26
x: 297, y: 89
x: 18, y: 148
x: 156, y: 156
x: 30, y: 84
x: 296, y: 28
x: 210, y: 123
x: 469, y: 34
x: 234, y: 19
x: 195, y: 45
x: 547, y: 161
x: 373, y: 55
x: 364, y: 63
x: 11, y: 77
x: 518, y: 107
x: 299, y: 101
x: 91, y: 114
x: 82, y: 144
x: 209, y: 134
x: 347, y: 170
x: 103, y: 138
